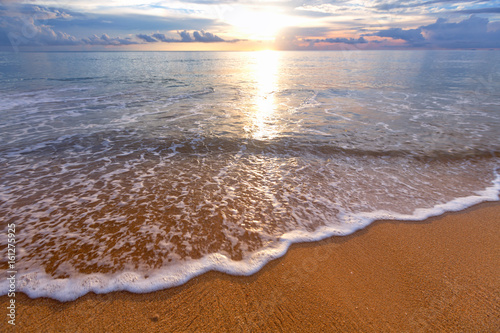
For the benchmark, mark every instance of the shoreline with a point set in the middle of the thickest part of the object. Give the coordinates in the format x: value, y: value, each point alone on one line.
x: 440, y: 274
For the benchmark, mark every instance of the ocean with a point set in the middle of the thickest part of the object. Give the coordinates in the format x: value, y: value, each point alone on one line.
x: 140, y: 170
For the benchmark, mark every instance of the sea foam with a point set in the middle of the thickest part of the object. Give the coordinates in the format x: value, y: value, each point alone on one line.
x: 36, y: 283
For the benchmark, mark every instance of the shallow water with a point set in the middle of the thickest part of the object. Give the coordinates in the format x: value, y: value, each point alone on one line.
x: 137, y: 171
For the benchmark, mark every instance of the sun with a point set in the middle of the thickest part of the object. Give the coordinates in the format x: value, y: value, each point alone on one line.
x: 257, y: 24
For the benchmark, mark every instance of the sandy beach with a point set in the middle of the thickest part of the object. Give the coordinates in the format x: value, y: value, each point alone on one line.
x: 439, y: 275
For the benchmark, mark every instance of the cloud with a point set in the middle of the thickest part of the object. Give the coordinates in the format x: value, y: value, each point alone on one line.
x: 17, y: 31
x: 472, y: 32
x: 163, y: 38
x: 298, y: 38
x: 413, y: 36
x: 384, y: 5
x: 147, y: 38
x: 206, y: 37
x: 300, y: 11
x: 36, y: 25
x: 185, y: 37
x: 305, y: 32
x: 42, y: 35
x: 288, y: 40
x: 360, y: 40
x: 28, y: 26
x: 495, y: 10
x: 31, y: 23
x: 106, y: 40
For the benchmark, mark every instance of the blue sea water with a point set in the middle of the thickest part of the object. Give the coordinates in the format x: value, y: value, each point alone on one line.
x: 139, y: 170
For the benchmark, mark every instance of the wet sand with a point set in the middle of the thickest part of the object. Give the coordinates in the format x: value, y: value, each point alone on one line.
x: 442, y: 274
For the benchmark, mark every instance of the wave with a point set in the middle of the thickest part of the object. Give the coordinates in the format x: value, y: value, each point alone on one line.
x: 75, y: 79
x: 113, y: 142
x: 37, y: 283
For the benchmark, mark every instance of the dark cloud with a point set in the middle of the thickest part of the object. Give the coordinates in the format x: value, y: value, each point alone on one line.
x: 185, y: 37
x: 163, y: 38
x: 147, y: 38
x: 106, y: 40
x: 413, y: 36
x: 469, y: 33
x: 198, y: 36
x: 206, y: 37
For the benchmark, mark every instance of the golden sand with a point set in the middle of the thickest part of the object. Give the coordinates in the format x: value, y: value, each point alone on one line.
x: 439, y: 275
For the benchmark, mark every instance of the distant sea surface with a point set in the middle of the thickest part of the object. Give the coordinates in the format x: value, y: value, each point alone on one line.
x: 139, y: 170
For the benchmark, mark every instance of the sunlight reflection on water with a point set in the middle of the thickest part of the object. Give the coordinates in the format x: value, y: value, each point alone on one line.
x: 264, y: 124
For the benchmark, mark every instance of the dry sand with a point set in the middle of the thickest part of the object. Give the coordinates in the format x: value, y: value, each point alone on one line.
x: 440, y: 275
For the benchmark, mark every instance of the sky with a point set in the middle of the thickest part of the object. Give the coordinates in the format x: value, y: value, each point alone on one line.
x: 244, y: 25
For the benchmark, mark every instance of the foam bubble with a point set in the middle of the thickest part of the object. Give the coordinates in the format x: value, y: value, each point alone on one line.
x: 37, y: 283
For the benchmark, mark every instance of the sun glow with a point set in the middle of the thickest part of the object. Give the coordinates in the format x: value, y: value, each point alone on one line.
x: 259, y: 25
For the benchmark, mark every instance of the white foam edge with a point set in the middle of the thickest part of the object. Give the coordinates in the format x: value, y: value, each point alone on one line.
x: 39, y: 284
